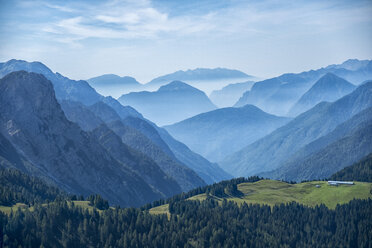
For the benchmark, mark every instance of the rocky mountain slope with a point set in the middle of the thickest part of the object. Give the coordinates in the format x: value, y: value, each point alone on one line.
x: 34, y: 123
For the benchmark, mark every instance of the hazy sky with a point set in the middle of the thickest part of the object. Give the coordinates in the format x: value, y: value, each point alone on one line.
x: 145, y: 39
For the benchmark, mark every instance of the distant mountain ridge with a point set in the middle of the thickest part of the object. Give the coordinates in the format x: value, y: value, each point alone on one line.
x: 114, y: 85
x: 346, y: 144
x: 277, y: 95
x: 73, y: 92
x: 220, y: 132
x: 328, y: 88
x: 113, y: 79
x: 198, y: 74
x: 230, y: 94
x: 77, y: 90
x: 269, y: 152
x: 173, y: 102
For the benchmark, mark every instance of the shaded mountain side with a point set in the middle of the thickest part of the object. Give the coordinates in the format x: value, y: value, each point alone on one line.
x: 171, y: 103
x: 344, y: 129
x: 9, y: 156
x: 184, y: 176
x: 138, y: 141
x: 209, y: 172
x: 197, y: 74
x: 328, y: 88
x: 67, y: 89
x: 230, y: 94
x: 359, y: 171
x: 272, y: 150
x: 19, y: 187
x: 145, y: 167
x: 36, y: 126
x: 330, y: 159
x: 64, y: 88
x: 219, y: 133
x: 104, y: 112
x: 277, y: 95
x: 140, y: 163
x: 78, y: 94
x: 147, y: 128
x: 122, y: 111
x: 78, y: 113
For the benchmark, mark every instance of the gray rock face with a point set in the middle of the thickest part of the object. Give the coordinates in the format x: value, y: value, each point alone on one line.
x: 78, y: 113
x: 77, y: 96
x: 141, y: 137
x: 138, y: 162
x: 34, y: 123
x: 64, y: 88
x: 184, y: 176
x: 209, y: 172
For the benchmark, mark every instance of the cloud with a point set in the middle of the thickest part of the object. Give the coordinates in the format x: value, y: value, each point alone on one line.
x: 142, y: 19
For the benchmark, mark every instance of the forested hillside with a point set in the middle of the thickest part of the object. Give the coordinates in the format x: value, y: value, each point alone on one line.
x: 360, y: 171
x: 191, y: 224
x: 16, y: 186
x: 212, y: 222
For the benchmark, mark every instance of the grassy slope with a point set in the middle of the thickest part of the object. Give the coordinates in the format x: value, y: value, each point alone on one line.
x: 272, y: 192
x: 7, y: 210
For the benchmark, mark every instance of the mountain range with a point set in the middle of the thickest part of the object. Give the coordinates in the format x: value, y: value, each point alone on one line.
x: 114, y: 85
x: 199, y: 74
x: 272, y: 150
x: 346, y: 144
x: 278, y: 95
x: 221, y: 132
x: 158, y: 151
x: 65, y: 132
x: 33, y: 122
x: 99, y: 111
x: 230, y: 94
x: 328, y: 88
x: 173, y: 102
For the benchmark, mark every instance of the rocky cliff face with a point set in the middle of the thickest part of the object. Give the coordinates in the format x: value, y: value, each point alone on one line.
x: 33, y: 122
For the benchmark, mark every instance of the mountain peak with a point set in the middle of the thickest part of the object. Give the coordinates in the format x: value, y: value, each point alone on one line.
x: 331, y: 80
x: 18, y: 65
x: 112, y: 79
x: 328, y: 88
x: 177, y: 86
x: 30, y: 90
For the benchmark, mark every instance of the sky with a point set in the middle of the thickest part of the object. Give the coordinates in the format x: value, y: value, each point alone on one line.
x: 146, y: 39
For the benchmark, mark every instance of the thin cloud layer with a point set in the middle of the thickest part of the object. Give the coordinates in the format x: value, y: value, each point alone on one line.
x: 163, y: 36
